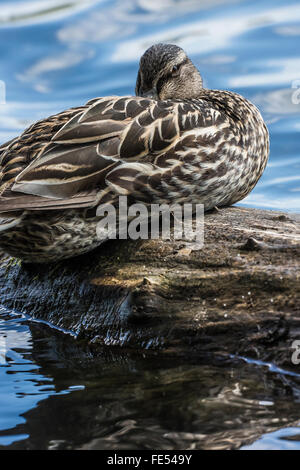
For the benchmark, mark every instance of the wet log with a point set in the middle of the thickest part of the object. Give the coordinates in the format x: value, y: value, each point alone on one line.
x: 238, y: 295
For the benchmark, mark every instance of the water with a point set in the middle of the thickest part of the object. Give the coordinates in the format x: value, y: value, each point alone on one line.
x: 56, y: 54
x: 51, y: 399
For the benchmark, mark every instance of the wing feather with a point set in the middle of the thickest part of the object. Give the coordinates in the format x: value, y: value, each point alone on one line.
x: 16, y: 202
x: 63, y: 172
x: 122, y: 142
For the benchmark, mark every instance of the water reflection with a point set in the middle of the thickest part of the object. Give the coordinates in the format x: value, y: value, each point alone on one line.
x: 53, y: 397
x: 199, y: 36
x: 286, y: 439
x: 22, y: 12
x: 278, y: 102
x: 276, y: 72
x: 22, y: 384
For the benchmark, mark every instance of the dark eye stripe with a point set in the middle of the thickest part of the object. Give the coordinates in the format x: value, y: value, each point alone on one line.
x: 178, y: 66
x: 166, y: 77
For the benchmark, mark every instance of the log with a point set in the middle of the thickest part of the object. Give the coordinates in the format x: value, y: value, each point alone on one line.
x: 238, y: 295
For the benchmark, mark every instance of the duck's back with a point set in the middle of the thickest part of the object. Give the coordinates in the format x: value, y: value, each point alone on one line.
x: 210, y: 150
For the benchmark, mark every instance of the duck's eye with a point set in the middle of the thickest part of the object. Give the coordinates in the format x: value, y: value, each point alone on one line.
x: 175, y: 69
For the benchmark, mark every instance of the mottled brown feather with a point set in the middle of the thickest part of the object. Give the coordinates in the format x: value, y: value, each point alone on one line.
x: 75, y: 150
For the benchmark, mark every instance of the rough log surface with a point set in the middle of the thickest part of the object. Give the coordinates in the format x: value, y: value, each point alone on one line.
x: 238, y: 295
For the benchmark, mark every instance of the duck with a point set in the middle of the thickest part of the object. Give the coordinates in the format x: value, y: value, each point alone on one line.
x: 175, y: 141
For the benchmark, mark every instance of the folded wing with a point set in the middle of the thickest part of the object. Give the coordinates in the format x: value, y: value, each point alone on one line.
x: 109, y: 139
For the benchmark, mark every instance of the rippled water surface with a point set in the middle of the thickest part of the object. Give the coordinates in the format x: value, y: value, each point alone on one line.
x: 52, y: 398
x: 55, y: 54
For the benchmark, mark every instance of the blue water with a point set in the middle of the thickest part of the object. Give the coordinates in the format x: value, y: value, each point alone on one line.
x: 55, y: 54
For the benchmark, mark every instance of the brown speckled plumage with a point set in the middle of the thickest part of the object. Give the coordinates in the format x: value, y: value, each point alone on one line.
x: 174, y: 142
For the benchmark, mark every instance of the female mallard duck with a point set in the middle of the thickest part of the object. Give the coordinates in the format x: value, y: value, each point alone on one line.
x: 174, y: 142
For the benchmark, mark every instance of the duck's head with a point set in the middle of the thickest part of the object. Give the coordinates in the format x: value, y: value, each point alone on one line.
x: 166, y: 72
